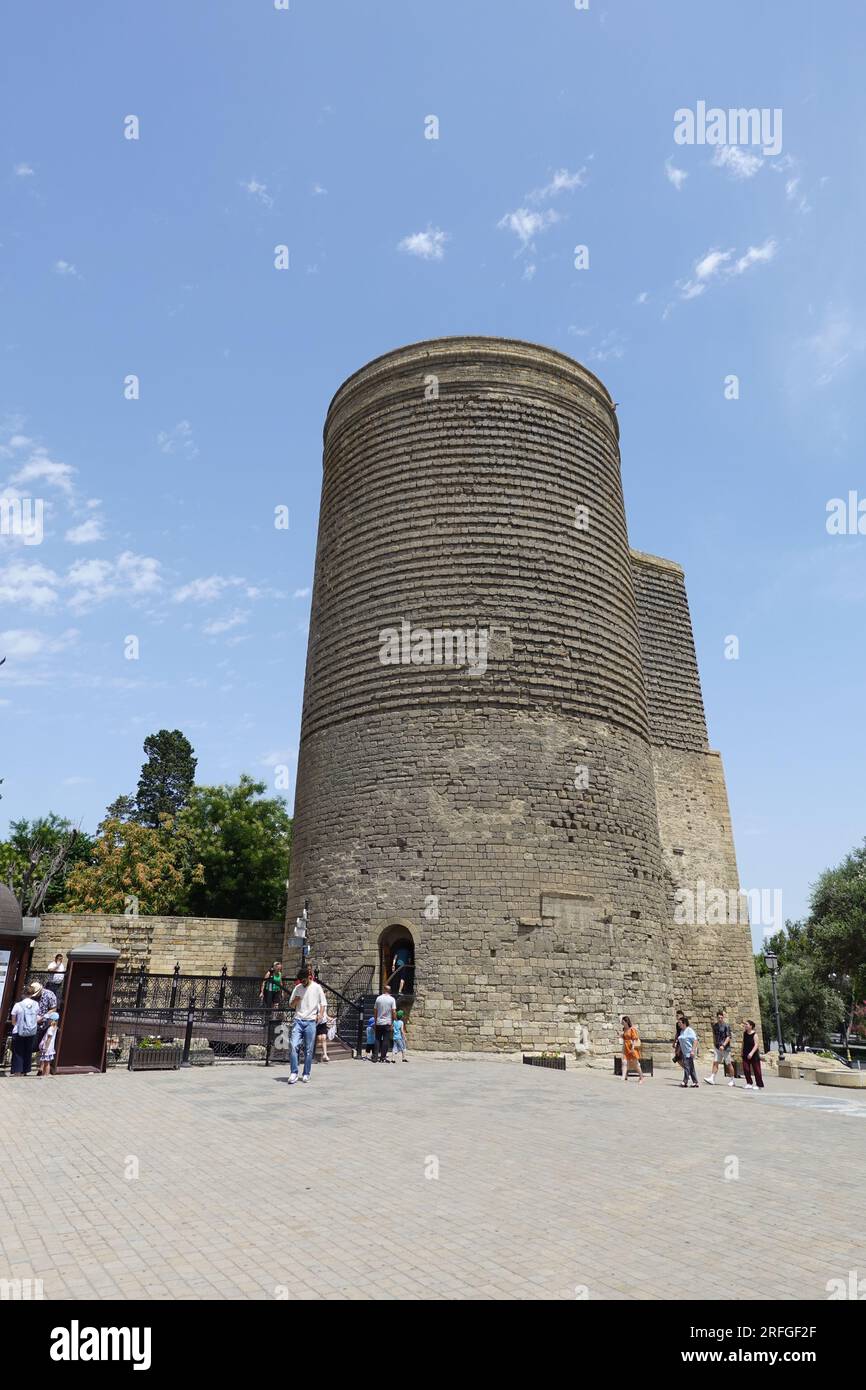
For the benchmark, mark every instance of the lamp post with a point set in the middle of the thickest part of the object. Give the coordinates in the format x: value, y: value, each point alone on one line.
x: 772, y: 963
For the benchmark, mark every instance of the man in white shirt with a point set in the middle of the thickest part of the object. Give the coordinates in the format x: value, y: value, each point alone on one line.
x: 384, y: 1012
x: 308, y: 1001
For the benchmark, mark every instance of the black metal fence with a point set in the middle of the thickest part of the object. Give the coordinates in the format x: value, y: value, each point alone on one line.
x: 221, y: 1017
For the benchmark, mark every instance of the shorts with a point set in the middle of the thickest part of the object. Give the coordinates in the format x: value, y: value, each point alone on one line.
x: 320, y: 1029
x: 723, y: 1055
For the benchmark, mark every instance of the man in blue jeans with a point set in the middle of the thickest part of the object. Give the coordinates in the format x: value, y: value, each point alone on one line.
x: 308, y: 1001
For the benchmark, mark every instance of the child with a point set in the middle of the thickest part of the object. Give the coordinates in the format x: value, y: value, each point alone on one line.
x: 400, y: 1035
x: 47, y: 1044
x: 371, y: 1037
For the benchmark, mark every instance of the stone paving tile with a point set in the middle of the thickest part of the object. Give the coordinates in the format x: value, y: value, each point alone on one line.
x: 546, y: 1182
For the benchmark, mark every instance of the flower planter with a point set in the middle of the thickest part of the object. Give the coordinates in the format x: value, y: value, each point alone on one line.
x: 646, y: 1066
x: 155, y: 1058
x: 554, y: 1063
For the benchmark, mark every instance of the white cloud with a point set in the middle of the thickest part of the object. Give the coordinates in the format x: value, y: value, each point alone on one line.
x: 562, y: 182
x: 258, y: 190
x: 66, y: 268
x: 642, y: 297
x: 609, y: 349
x: 23, y: 643
x: 219, y: 625
x: 526, y: 224
x: 302, y: 593
x: 836, y: 342
x: 675, y: 176
x: 318, y: 190
x: 429, y: 245
x: 529, y: 272
x: 178, y: 440
x: 86, y: 532
x: 28, y: 585
x: 738, y: 163
x: 756, y: 255
x: 203, y: 590
x: 24, y: 171
x: 207, y: 590
x: 43, y: 469
x: 94, y: 581
x: 722, y: 265
x: 578, y: 332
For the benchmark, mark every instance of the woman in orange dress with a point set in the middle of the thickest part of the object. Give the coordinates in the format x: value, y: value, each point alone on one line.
x: 630, y: 1049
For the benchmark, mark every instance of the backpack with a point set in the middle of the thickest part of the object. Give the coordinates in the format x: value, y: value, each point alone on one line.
x: 27, y: 1018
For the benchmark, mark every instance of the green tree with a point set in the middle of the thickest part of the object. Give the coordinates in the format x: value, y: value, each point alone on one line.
x: 121, y: 808
x: 809, y: 1009
x: 243, y: 840
x: 136, y: 868
x: 167, y: 777
x: 37, y: 857
x: 837, y: 927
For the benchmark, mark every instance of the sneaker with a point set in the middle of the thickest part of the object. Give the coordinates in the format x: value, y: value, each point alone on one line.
x: 730, y: 1083
x: 748, y: 1086
x: 324, y: 1059
x: 710, y: 1080
x: 695, y: 1086
x: 684, y: 1085
x: 293, y: 1078
x: 304, y: 1079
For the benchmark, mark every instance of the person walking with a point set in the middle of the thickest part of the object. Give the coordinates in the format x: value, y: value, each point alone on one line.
x: 25, y: 1027
x: 688, y: 1041
x: 384, y: 1012
x: 630, y: 1049
x: 752, y: 1056
x: 308, y: 1001
x: 722, y: 1049
x: 677, y: 1054
x: 400, y: 1036
x: 323, y: 1031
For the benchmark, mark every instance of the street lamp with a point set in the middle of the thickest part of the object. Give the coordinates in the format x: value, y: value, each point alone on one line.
x: 772, y: 963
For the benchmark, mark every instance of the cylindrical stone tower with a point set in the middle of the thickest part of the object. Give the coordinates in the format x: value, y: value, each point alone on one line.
x: 475, y: 770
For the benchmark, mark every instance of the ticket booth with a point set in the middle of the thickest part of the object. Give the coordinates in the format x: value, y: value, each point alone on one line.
x: 83, y: 1034
x: 17, y: 935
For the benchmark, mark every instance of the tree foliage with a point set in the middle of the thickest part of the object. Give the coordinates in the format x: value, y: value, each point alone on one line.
x: 243, y: 841
x: 136, y: 869
x: 167, y: 777
x: 37, y: 857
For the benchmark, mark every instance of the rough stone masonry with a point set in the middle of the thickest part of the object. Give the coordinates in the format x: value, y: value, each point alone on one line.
x: 526, y: 820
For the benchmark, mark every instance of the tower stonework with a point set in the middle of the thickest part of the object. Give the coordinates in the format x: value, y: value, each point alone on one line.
x: 712, y: 963
x: 478, y: 762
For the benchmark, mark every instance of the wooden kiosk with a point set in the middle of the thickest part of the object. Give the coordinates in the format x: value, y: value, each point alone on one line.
x: 17, y: 935
x: 83, y: 1034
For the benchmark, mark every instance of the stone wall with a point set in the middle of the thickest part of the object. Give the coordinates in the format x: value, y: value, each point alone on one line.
x: 201, y: 944
x: 711, y: 960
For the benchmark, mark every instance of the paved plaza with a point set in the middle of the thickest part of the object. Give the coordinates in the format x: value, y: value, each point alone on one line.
x: 437, y: 1179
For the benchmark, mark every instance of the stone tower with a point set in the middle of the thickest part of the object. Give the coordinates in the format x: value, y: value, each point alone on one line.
x: 478, y: 757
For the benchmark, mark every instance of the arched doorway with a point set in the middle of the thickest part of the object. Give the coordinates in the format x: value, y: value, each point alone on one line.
x: 397, y: 961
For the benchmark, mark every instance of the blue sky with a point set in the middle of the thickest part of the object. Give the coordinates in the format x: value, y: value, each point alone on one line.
x: 261, y: 127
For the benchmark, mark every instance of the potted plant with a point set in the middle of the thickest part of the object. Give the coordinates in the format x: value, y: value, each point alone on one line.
x: 554, y: 1060
x: 152, y: 1054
